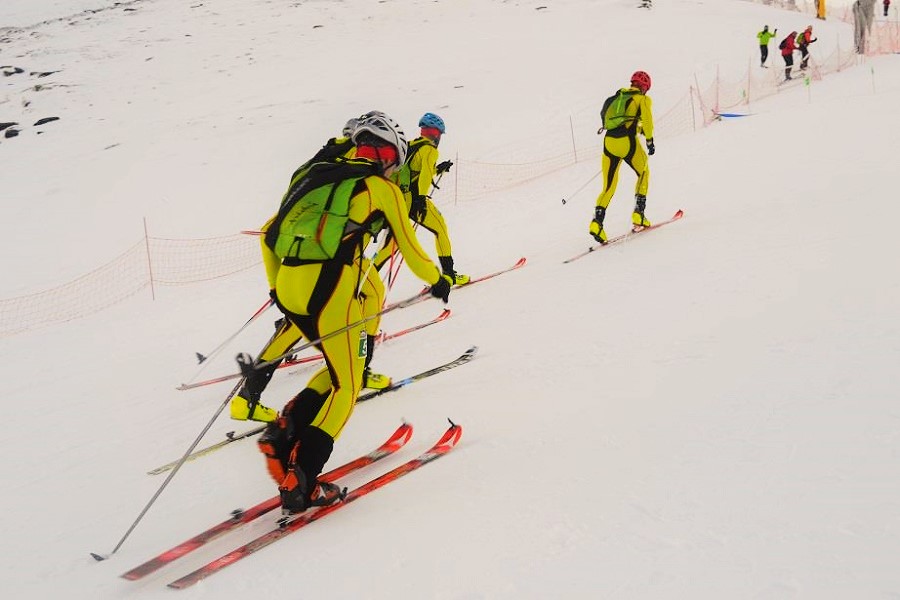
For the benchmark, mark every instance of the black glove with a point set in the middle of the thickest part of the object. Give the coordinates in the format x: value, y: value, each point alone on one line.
x: 441, y: 289
x: 651, y: 147
x: 443, y: 167
x: 273, y: 295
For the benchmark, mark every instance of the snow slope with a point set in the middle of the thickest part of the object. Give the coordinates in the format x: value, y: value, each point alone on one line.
x: 708, y: 411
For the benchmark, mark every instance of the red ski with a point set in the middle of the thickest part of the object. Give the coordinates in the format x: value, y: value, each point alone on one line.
x: 240, y: 517
x: 424, y: 295
x: 626, y: 236
x: 518, y: 264
x: 447, y: 442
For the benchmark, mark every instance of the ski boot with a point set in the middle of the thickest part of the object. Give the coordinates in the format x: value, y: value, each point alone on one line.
x: 296, y: 496
x: 449, y: 271
x: 638, y: 220
x: 276, y: 443
x: 243, y: 409
x: 375, y: 381
x: 596, y: 227
x: 300, y: 489
x: 245, y: 406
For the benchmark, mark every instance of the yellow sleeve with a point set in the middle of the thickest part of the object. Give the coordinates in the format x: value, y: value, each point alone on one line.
x: 427, y: 159
x: 271, y: 262
x: 647, y: 117
x: 388, y: 198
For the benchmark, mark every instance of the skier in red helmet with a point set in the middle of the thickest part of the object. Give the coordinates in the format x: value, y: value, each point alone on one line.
x: 626, y: 114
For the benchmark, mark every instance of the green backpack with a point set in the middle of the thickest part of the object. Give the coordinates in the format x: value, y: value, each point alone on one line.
x: 613, y: 111
x: 314, y: 215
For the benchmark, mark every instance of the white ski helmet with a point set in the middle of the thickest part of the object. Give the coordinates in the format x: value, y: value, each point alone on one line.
x: 349, y: 127
x: 384, y: 128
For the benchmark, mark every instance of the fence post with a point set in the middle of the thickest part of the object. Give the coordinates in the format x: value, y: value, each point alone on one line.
x: 749, y: 81
x: 149, y: 262
x: 456, y: 181
x: 699, y: 101
x: 574, y: 147
x: 718, y: 83
x: 693, y: 116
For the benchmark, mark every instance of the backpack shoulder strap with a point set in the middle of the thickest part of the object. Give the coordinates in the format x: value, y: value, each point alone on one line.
x: 416, y: 145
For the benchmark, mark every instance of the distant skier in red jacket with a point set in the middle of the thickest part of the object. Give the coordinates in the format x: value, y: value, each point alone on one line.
x: 787, y: 47
x: 803, y: 41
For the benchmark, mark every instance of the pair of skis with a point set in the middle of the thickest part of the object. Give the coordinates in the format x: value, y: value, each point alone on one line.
x: 288, y: 525
x: 382, y: 337
x: 423, y: 295
x: 231, y: 437
x: 625, y: 236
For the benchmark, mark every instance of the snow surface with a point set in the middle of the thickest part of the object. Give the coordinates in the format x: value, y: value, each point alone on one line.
x: 709, y: 411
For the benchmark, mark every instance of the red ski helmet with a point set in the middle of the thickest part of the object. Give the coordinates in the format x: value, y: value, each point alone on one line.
x: 641, y: 81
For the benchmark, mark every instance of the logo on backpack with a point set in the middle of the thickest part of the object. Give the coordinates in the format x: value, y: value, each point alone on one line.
x: 614, y: 107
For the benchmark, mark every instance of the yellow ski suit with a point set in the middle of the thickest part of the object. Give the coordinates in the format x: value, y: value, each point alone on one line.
x: 415, y: 180
x: 321, y: 297
x: 621, y: 144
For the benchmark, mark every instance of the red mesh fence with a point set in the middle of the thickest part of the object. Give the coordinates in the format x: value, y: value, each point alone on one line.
x: 158, y: 261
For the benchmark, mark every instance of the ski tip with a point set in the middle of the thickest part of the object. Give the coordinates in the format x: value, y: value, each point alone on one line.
x: 452, y: 435
x: 678, y: 214
x: 99, y: 557
x: 404, y: 432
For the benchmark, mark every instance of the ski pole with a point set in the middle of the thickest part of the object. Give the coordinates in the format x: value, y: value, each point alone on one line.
x: 247, y: 363
x: 423, y: 295
x: 435, y: 182
x: 201, y: 358
x: 394, y: 271
x: 172, y: 473
x: 584, y: 185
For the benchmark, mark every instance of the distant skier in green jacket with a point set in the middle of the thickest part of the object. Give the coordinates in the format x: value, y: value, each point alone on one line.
x: 764, y: 36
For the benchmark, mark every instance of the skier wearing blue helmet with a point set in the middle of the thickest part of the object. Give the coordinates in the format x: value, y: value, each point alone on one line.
x: 416, y: 179
x: 433, y: 121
